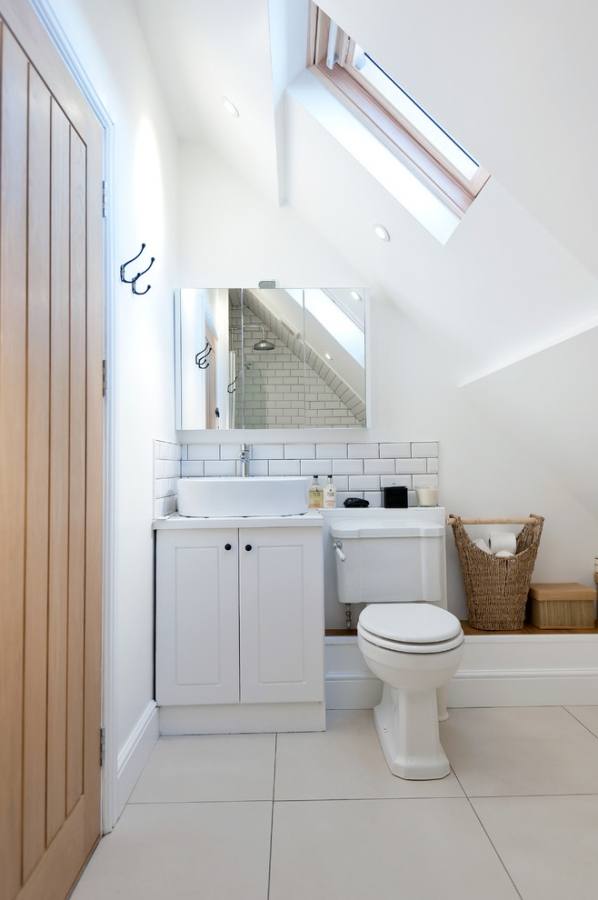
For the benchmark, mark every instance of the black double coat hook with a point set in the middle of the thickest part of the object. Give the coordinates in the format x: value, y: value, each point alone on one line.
x: 133, y: 281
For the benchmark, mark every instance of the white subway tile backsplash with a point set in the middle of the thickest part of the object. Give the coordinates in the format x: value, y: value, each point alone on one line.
x: 429, y: 448
x: 230, y: 451
x: 364, y: 451
x: 203, y: 451
x: 410, y: 466
x: 341, y: 482
x: 267, y: 451
x: 347, y: 466
x: 164, y: 487
x: 167, y: 468
x: 395, y: 451
x: 316, y: 467
x: 364, y: 482
x: 379, y: 466
x: 220, y: 468
x: 192, y: 468
x: 360, y: 469
x: 258, y: 467
x: 299, y: 451
x: 425, y: 481
x: 166, y: 450
x: 284, y: 467
x: 331, y: 451
x: 395, y: 481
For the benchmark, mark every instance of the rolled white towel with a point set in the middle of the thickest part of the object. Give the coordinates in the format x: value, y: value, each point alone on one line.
x: 482, y: 545
x: 504, y: 554
x: 503, y: 540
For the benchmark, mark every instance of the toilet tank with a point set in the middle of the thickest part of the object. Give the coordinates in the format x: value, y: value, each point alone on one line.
x: 385, y: 560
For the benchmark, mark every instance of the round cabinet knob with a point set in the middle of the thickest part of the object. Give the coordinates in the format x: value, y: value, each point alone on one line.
x: 228, y: 546
x: 248, y: 547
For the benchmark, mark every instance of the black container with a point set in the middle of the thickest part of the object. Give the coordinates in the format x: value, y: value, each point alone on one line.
x: 356, y: 503
x: 396, y: 497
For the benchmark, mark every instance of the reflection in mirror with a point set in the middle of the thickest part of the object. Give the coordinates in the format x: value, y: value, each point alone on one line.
x: 270, y: 358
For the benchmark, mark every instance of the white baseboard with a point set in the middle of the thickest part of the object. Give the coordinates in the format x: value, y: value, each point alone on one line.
x: 497, y: 670
x: 134, y: 754
x: 240, y: 718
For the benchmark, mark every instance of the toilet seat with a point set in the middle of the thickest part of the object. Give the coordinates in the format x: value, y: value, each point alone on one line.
x: 410, y: 627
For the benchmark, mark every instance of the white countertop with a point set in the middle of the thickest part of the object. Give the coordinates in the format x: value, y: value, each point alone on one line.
x: 310, y: 519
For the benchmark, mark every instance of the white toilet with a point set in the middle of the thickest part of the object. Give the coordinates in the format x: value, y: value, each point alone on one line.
x: 394, y: 561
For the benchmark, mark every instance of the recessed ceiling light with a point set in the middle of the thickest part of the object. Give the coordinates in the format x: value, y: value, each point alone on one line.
x: 230, y: 107
x: 381, y: 232
x: 328, y: 356
x: 356, y: 295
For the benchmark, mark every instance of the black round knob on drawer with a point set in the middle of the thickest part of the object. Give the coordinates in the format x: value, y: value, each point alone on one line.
x: 248, y: 547
x: 228, y: 546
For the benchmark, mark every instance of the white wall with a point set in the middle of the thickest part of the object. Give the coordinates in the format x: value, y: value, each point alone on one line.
x: 107, y: 40
x: 506, y: 449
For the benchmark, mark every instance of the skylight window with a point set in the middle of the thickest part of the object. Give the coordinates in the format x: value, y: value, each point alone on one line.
x: 399, y: 120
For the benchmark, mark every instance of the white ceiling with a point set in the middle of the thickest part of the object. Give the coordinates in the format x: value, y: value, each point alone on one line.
x: 514, y: 84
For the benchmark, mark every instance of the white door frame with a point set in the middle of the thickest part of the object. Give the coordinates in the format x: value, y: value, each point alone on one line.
x: 45, y: 12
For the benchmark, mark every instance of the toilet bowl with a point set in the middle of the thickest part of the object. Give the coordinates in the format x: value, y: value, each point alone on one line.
x: 394, y: 563
x: 414, y: 649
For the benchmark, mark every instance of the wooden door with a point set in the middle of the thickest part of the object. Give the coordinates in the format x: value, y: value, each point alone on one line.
x: 50, y: 465
x: 281, y: 615
x: 197, y: 616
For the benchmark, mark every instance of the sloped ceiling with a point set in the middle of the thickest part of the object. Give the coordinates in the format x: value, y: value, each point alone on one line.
x: 513, y: 81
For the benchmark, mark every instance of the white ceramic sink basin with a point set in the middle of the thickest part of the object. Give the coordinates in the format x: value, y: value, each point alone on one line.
x: 242, y: 496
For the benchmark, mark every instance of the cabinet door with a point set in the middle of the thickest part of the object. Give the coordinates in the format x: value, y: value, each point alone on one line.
x: 281, y: 614
x: 197, y: 617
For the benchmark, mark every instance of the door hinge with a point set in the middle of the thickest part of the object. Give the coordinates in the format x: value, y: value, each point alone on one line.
x: 102, y: 746
x: 104, y: 378
x: 103, y: 199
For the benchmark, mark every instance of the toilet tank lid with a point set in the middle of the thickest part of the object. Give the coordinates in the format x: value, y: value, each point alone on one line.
x: 360, y: 528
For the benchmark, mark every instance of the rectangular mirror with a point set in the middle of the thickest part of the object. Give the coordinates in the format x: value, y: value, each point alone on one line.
x: 270, y: 358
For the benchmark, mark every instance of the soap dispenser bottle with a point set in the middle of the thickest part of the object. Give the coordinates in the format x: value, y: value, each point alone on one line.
x: 315, y: 495
x: 330, y: 494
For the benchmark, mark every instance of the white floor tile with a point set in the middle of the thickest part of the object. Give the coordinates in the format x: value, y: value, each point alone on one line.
x: 212, y: 851
x: 587, y: 715
x: 519, y: 751
x: 345, y: 761
x: 383, y: 849
x: 208, y: 767
x: 548, y: 844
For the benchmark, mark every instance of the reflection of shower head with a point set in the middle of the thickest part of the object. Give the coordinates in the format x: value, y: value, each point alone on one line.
x: 263, y: 344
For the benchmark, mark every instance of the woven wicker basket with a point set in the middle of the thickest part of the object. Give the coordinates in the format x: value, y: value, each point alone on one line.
x: 497, y: 588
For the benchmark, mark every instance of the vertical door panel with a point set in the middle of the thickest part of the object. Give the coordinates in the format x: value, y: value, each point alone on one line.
x: 38, y: 475
x: 281, y: 615
x: 13, y: 323
x: 197, y: 617
x: 59, y: 471
x: 77, y: 409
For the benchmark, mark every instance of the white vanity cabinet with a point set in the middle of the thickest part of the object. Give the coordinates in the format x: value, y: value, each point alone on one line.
x: 239, y: 616
x: 197, y: 617
x: 280, y: 614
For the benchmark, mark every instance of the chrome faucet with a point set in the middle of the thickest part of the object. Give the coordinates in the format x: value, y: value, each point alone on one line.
x: 244, y: 459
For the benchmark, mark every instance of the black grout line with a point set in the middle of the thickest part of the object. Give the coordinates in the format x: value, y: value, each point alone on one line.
x: 491, y: 842
x: 272, y: 816
x: 583, y: 724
